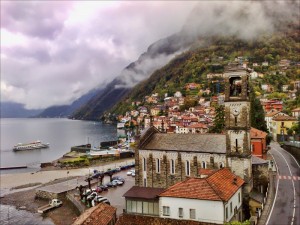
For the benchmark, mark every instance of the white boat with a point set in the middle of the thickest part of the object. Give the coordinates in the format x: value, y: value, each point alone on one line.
x: 30, y: 146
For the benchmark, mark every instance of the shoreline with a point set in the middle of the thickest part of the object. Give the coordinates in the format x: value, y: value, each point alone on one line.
x: 18, y: 189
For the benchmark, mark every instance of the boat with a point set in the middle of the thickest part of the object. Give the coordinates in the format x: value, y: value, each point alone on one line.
x: 30, y: 146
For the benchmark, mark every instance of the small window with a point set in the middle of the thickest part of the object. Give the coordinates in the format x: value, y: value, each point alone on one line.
x: 192, y: 213
x: 203, y: 165
x: 144, y: 164
x: 172, y: 167
x: 230, y: 207
x: 188, y: 168
x: 226, y: 213
x: 239, y: 197
x: 166, y: 210
x: 180, y: 212
x: 145, y: 182
x: 158, y: 165
x: 221, y: 165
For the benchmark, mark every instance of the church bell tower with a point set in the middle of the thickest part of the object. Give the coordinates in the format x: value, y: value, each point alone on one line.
x: 237, y: 124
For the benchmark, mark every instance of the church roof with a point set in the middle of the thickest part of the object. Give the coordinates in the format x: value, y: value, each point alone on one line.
x: 220, y: 186
x: 210, y: 143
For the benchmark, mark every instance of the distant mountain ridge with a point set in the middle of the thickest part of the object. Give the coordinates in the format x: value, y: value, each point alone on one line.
x: 67, y: 110
x: 16, y: 110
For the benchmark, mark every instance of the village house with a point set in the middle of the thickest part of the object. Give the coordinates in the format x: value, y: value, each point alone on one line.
x: 216, y: 199
x: 214, y: 75
x: 177, y: 94
x: 284, y: 63
x: 269, y: 117
x: 258, y: 143
x: 280, y: 125
x: 192, y: 86
x: 272, y: 105
x: 265, y: 63
x: 253, y: 75
x: 296, y: 112
x: 267, y: 88
x: 285, y: 88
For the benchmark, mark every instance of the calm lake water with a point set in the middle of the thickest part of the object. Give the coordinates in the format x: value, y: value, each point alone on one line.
x: 62, y: 134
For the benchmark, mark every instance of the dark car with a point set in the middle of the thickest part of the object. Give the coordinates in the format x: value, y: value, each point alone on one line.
x: 110, y: 184
x: 103, y: 187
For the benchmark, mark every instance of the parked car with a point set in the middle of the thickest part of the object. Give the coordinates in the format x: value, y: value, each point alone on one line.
x: 98, y: 189
x: 111, y: 184
x: 129, y: 173
x: 133, y: 174
x: 117, y: 182
x: 118, y: 178
x: 103, y: 187
x: 100, y: 199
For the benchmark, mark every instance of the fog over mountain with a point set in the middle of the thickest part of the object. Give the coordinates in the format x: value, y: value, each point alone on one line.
x: 242, y: 19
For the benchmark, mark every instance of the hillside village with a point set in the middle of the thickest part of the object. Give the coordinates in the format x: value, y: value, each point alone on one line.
x: 195, y: 111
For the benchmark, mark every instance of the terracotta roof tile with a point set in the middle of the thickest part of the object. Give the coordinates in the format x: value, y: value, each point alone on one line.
x: 255, y: 133
x: 219, y: 186
x: 100, y: 214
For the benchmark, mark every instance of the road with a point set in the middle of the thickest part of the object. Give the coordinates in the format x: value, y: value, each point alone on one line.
x: 285, y: 209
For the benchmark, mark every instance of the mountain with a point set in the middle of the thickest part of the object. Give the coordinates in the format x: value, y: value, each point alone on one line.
x: 16, y: 110
x: 157, y: 55
x: 207, y: 27
x: 67, y: 110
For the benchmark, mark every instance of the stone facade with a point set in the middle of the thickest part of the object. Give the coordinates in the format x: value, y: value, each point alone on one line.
x: 158, y: 168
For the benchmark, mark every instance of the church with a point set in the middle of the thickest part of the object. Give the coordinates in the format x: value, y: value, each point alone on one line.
x: 168, y: 161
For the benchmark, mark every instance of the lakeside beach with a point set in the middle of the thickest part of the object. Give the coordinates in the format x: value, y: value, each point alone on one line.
x: 13, y: 193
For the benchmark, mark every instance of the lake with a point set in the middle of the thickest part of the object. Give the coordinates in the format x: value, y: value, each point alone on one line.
x: 62, y: 134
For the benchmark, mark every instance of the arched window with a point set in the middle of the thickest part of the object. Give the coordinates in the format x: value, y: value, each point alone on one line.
x: 172, y: 166
x: 187, y: 168
x: 144, y: 164
x: 157, y: 165
x: 221, y: 165
x: 203, y: 164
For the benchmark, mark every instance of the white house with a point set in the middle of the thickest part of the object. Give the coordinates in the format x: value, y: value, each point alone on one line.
x: 214, y: 199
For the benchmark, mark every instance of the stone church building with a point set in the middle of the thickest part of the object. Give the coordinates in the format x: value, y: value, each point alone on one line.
x: 164, y: 159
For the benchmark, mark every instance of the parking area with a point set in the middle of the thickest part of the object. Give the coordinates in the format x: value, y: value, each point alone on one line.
x: 114, y: 194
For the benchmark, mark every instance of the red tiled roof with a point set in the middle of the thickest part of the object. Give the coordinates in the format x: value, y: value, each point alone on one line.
x: 101, y: 214
x: 220, y: 186
x: 296, y: 110
x: 255, y: 133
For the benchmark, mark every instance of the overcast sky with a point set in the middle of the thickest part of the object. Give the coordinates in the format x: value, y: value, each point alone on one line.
x: 54, y: 52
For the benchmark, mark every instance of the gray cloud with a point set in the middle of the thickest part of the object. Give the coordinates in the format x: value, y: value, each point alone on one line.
x: 60, y: 50
x: 63, y: 49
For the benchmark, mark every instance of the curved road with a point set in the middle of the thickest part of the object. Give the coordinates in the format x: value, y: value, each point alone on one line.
x: 285, y: 209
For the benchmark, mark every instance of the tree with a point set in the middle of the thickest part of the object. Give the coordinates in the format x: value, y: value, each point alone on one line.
x: 219, y: 122
x: 257, y: 114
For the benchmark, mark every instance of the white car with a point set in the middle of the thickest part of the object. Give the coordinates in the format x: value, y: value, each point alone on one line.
x: 129, y: 173
x: 117, y: 182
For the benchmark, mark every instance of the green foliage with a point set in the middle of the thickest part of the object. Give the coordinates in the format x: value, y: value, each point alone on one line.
x: 219, y: 123
x: 277, y: 95
x: 257, y: 113
x: 193, y: 66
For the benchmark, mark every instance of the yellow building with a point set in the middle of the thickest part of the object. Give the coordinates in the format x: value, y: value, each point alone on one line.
x: 280, y: 126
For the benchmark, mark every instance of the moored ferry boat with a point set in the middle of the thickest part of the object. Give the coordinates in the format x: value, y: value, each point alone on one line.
x: 30, y: 146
